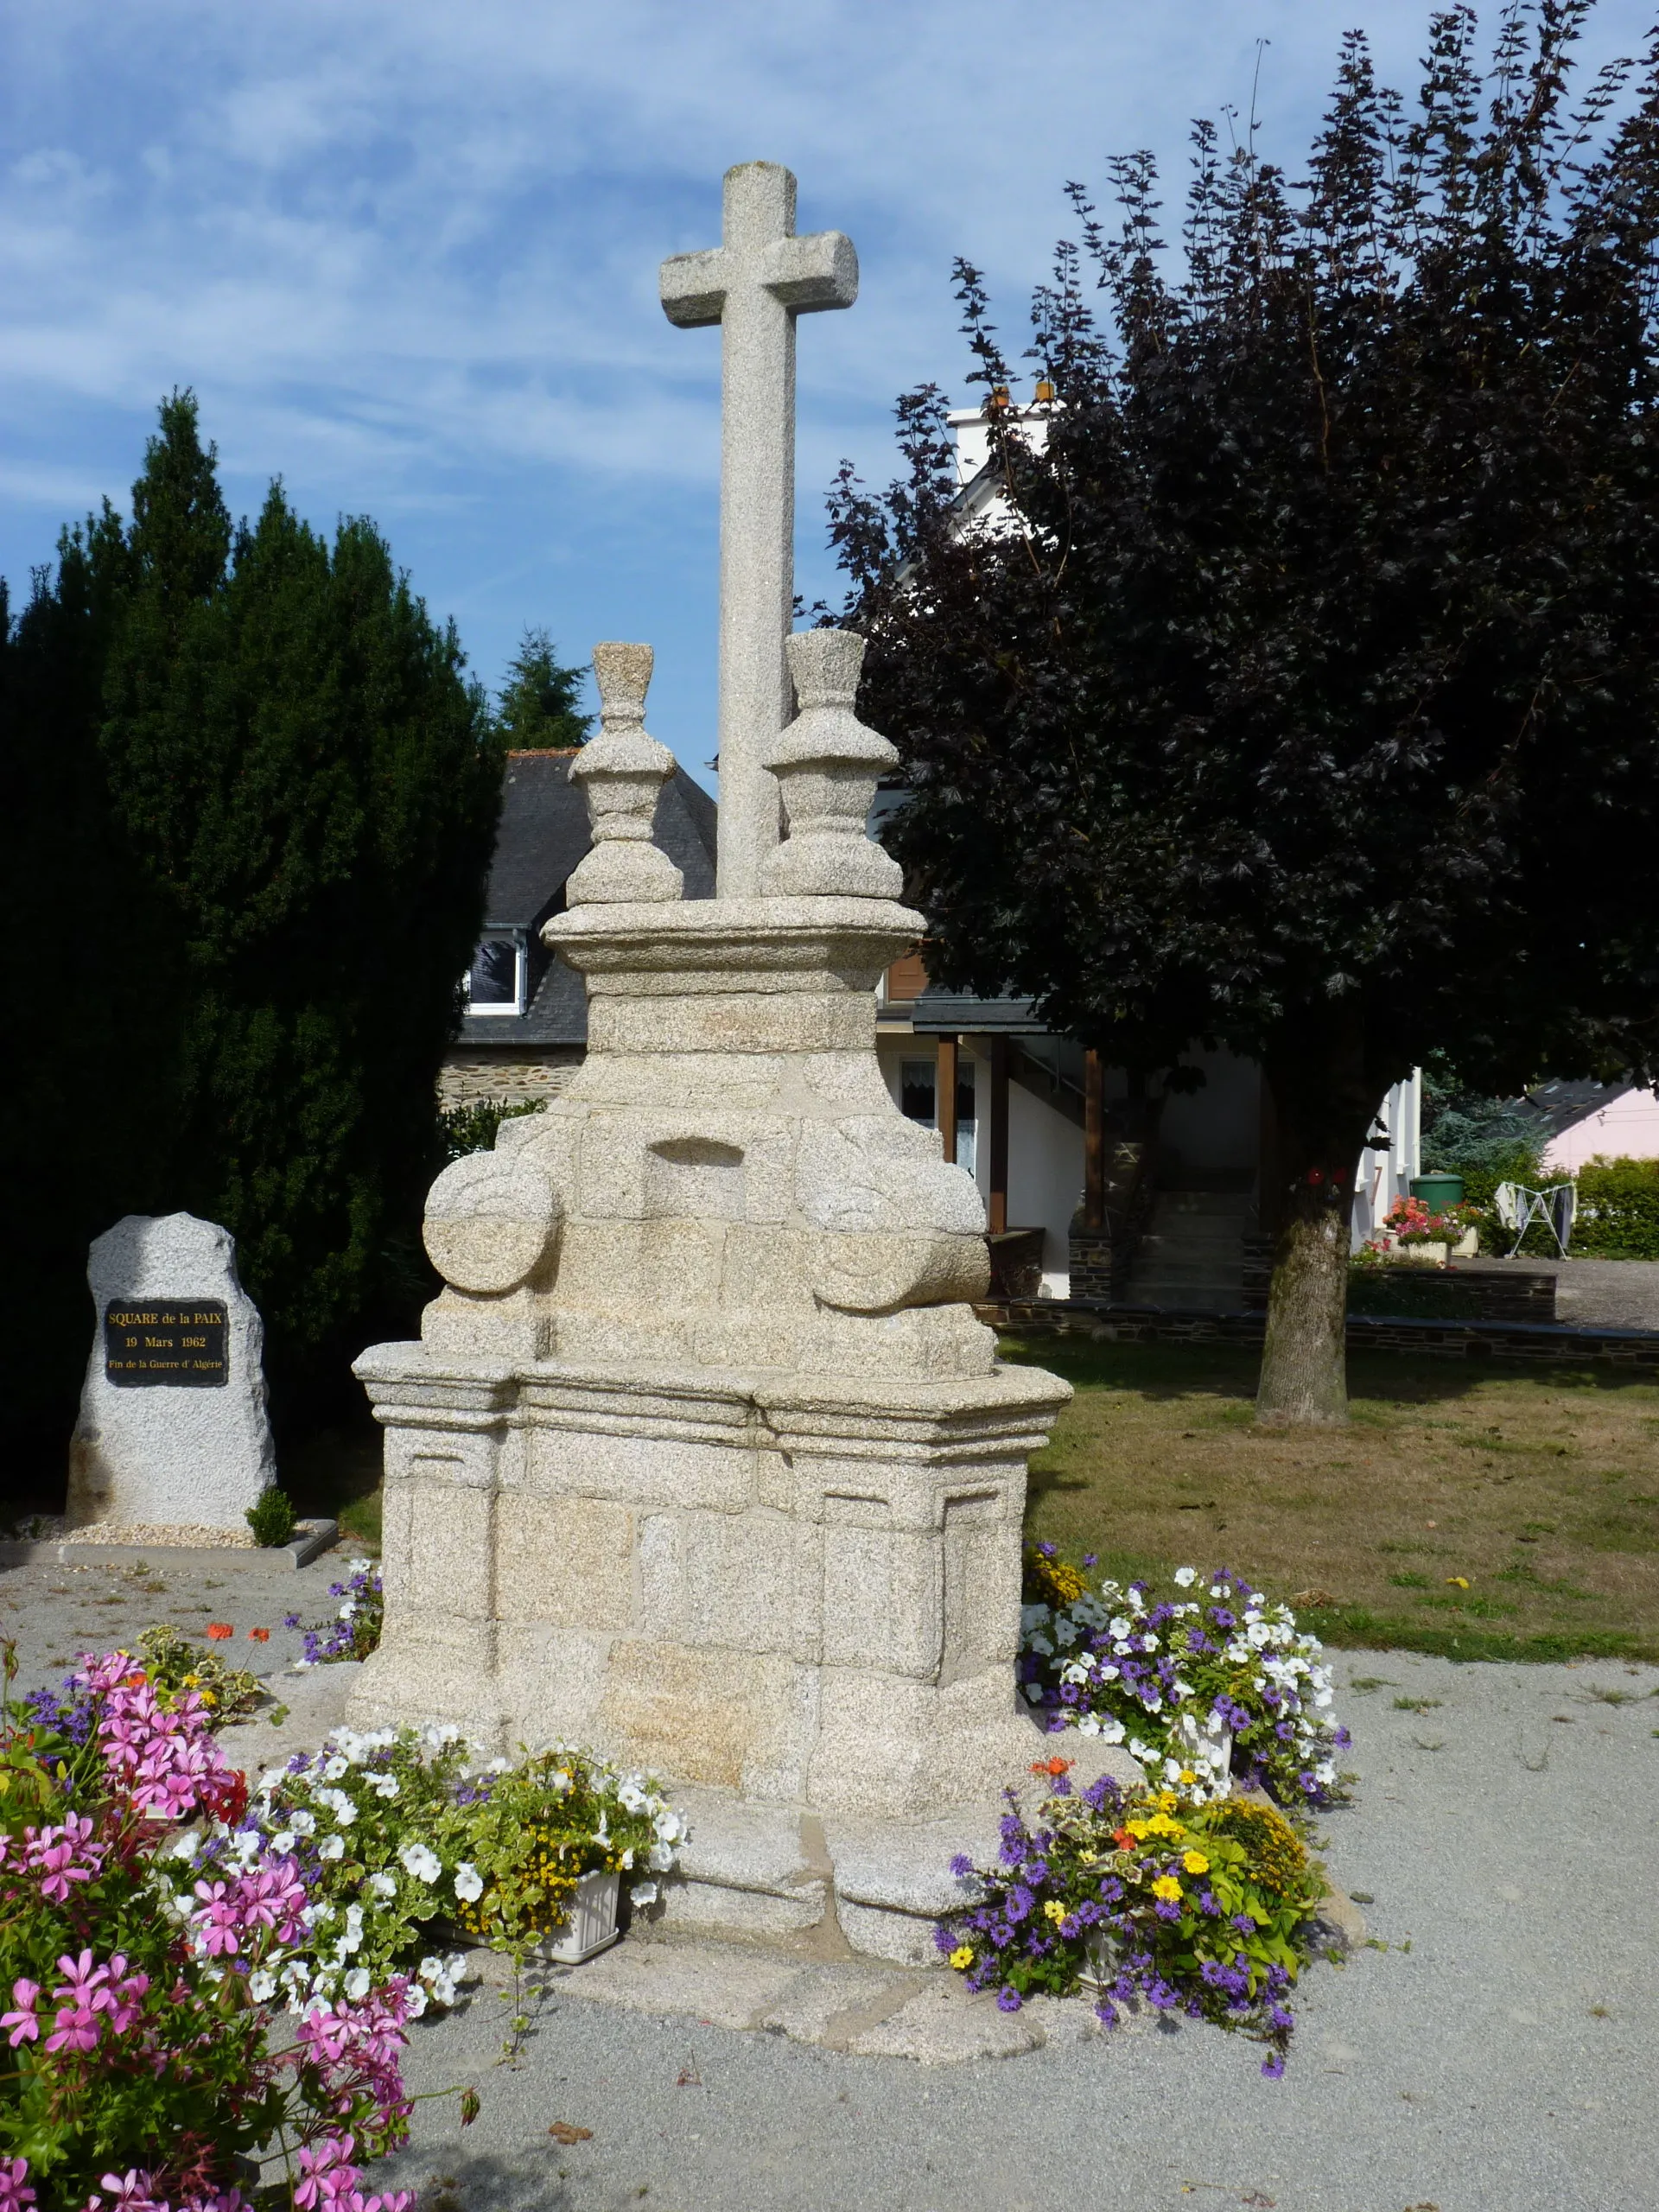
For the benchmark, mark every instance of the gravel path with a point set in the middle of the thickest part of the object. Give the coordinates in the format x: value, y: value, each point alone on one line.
x: 54, y: 1611
x: 1494, y: 2054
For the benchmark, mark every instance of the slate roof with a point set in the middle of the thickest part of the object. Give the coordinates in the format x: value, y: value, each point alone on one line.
x: 542, y: 836
x: 1555, y: 1107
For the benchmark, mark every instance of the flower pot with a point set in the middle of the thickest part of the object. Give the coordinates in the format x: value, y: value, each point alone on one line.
x: 1208, y: 1746
x: 591, y: 1926
x: 1431, y: 1253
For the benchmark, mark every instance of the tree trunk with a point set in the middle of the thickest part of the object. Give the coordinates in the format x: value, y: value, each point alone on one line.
x: 1324, y: 1105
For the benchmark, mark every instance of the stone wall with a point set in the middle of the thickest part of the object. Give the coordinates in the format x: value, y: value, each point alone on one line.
x: 1634, y: 1350
x: 473, y: 1074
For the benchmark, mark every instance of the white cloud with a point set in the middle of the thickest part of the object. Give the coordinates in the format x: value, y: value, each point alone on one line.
x: 406, y: 250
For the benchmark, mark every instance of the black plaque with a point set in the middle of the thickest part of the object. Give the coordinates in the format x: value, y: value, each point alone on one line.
x: 163, y: 1340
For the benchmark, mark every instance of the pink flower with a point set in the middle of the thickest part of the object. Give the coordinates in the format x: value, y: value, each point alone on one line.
x: 25, y: 2028
x: 327, y: 2175
x: 75, y: 2028
x: 15, y: 2192
x: 133, y: 2191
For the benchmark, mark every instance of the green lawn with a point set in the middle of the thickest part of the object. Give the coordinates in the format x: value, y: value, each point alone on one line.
x: 1539, y: 1490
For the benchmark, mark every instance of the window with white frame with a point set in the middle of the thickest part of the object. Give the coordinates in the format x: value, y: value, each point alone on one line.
x: 495, y: 982
x: 918, y: 1097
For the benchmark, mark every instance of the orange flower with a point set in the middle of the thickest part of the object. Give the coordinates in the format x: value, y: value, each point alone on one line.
x: 1124, y: 1840
x: 260, y: 1635
x: 1056, y: 1767
x: 219, y: 1630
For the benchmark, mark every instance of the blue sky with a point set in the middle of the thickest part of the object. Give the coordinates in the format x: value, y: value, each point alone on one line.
x: 405, y: 250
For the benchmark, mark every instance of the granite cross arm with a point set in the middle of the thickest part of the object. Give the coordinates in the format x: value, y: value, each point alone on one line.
x: 753, y: 285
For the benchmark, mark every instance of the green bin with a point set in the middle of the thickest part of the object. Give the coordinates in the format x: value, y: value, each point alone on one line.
x: 1438, y: 1191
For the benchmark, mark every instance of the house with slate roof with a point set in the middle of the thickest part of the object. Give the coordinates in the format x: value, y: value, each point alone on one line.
x: 525, y: 1028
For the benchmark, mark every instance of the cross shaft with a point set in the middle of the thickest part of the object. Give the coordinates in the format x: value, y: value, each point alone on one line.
x: 753, y: 284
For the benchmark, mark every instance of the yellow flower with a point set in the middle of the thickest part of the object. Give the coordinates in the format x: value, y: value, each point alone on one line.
x: 1165, y: 1886
x: 1140, y: 1830
x: 962, y: 1957
x: 1195, y: 1862
x: 1166, y: 1800
x: 1188, y: 1776
x: 1054, y: 1910
x: 1458, y: 1581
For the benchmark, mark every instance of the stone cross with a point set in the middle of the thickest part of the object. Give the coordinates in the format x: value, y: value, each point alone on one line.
x: 753, y: 285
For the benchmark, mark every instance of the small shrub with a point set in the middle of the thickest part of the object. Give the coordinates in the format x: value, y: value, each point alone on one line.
x: 472, y: 1128
x: 272, y: 1519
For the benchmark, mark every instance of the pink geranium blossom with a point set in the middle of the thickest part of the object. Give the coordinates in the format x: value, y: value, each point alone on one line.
x: 15, y: 2191
x: 25, y: 2028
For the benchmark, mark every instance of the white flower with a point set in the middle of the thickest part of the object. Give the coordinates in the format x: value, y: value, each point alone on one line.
x: 184, y: 1847
x: 302, y: 1824
x: 357, y: 1984
x: 1186, y: 1577
x: 347, y: 1611
x: 627, y: 1859
x: 387, y: 1785
x: 383, y: 1885
x: 644, y: 1892
x: 469, y: 1883
x: 335, y: 1767
x: 332, y: 1846
x: 283, y: 1843
x: 1217, y: 1590
x: 498, y: 1766
x: 342, y: 1807
x: 1171, y: 1769
x: 414, y: 2000
x: 1118, y: 1627
x: 1141, y: 1749
x: 630, y: 1796
x: 423, y: 1864
x: 660, y: 1858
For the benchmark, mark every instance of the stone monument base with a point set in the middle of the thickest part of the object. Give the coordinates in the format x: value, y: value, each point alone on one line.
x: 846, y: 1883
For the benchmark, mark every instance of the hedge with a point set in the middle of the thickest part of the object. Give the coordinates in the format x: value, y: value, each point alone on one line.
x: 1618, y: 1211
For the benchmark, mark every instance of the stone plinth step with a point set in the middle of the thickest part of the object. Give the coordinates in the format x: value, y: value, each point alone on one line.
x: 864, y: 2010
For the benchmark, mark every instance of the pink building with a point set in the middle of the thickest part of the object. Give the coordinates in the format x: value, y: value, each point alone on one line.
x: 1616, y: 1124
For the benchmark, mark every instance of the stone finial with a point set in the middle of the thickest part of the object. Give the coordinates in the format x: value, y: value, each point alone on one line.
x: 624, y: 771
x: 828, y: 764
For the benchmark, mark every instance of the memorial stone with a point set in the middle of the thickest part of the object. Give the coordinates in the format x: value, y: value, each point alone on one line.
x: 173, y: 1435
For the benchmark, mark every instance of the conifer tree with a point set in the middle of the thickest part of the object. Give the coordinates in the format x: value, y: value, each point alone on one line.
x: 539, y: 710
x: 278, y: 751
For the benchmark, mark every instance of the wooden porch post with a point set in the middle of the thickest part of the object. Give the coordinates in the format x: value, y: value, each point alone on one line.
x: 997, y: 1209
x: 1094, y: 1142
x: 944, y: 1095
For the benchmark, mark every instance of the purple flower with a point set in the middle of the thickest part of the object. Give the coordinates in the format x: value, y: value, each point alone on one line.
x: 1008, y: 1999
x: 1274, y: 2065
x: 962, y: 1865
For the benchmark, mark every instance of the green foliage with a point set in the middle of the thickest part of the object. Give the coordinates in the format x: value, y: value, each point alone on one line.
x: 1618, y: 1210
x: 272, y: 1517
x: 472, y: 1128
x: 539, y: 710
x: 251, y: 804
x: 544, y: 1823
x: 1310, y: 707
